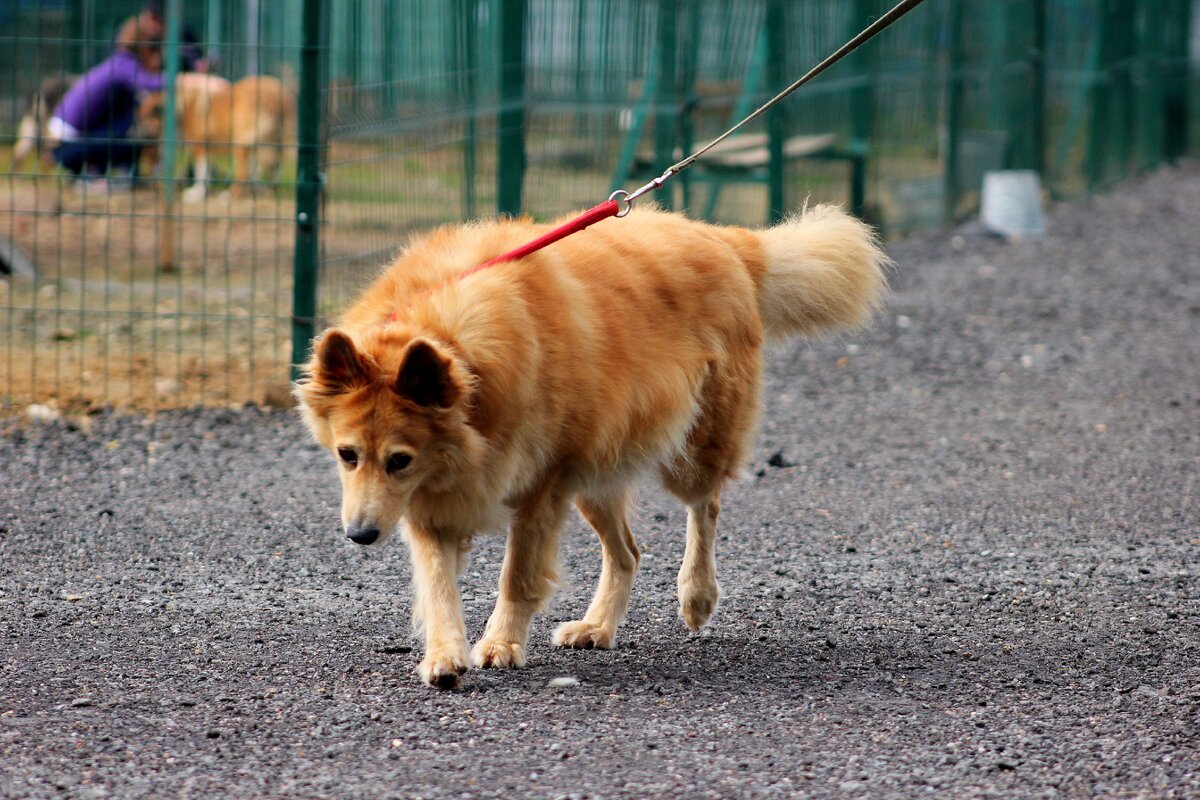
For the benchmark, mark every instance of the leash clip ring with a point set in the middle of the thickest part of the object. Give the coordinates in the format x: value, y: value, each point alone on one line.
x: 624, y: 204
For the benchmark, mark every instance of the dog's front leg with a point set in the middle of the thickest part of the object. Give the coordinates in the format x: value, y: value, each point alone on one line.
x: 196, y: 192
x: 527, y: 579
x: 438, y: 607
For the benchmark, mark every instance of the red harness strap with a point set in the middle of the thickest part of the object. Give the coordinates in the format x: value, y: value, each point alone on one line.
x: 609, y: 208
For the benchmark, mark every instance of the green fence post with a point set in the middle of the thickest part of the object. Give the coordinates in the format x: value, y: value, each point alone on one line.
x: 995, y: 46
x: 1098, y: 101
x: 954, y: 80
x: 1123, y: 67
x: 664, y: 101
x: 1111, y: 132
x: 510, y: 123
x: 308, y: 184
x: 467, y: 62
x: 776, y: 116
x: 1013, y: 79
x: 214, y: 27
x: 1149, y: 78
x: 689, y: 97
x: 169, y: 226
x: 1037, y: 98
x: 582, y: 95
x: 864, y: 62
x: 1177, y: 26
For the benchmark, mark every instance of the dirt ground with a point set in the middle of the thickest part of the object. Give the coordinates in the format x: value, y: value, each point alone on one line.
x: 121, y: 315
x: 964, y: 562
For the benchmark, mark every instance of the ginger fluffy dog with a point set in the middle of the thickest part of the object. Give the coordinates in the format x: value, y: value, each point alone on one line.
x: 457, y: 405
x: 252, y: 117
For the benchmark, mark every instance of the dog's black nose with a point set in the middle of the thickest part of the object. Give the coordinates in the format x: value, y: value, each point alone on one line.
x: 365, y: 534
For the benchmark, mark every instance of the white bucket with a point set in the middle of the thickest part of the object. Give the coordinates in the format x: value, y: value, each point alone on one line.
x: 1012, y: 204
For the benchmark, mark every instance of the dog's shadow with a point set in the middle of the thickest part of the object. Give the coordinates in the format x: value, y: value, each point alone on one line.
x: 743, y: 648
x: 889, y: 667
x: 773, y: 650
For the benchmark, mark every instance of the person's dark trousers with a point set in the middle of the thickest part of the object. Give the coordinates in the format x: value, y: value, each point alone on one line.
x: 100, y: 150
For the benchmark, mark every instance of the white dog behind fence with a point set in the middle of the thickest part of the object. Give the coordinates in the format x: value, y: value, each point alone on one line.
x: 33, y: 132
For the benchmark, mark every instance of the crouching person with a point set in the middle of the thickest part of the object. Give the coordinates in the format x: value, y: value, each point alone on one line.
x: 94, y: 119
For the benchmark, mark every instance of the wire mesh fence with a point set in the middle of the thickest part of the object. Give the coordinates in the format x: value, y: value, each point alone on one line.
x: 138, y: 288
x: 160, y: 270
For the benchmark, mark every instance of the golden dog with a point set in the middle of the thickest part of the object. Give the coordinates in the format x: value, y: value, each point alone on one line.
x: 454, y: 405
x: 251, y: 117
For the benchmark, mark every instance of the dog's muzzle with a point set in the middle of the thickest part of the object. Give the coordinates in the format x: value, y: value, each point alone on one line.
x: 365, y: 534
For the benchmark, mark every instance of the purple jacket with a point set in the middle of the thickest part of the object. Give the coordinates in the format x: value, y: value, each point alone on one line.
x: 107, y: 93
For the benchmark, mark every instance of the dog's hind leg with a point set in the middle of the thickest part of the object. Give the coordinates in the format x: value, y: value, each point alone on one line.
x: 267, y: 163
x: 598, y: 628
x: 242, y: 157
x: 527, y: 578
x: 714, y: 452
x: 698, y: 590
x: 196, y: 192
x: 438, y: 607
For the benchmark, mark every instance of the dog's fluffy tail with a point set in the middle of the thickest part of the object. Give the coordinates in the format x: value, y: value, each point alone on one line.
x: 825, y: 270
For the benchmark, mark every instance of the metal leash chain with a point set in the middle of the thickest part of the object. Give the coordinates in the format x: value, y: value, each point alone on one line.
x: 625, y: 199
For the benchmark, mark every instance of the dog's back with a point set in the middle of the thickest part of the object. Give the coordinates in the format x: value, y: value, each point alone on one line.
x: 216, y: 115
x: 262, y: 108
x: 202, y: 104
x: 200, y: 110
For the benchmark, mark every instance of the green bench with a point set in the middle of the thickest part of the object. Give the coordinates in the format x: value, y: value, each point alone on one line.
x: 746, y: 159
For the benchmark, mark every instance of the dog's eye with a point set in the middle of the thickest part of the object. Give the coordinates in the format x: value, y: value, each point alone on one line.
x: 398, y: 462
x: 348, y: 456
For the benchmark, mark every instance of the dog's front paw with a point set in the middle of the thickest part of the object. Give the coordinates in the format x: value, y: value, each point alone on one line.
x: 194, y: 193
x: 499, y: 654
x: 585, y: 636
x: 697, y: 602
x: 441, y: 668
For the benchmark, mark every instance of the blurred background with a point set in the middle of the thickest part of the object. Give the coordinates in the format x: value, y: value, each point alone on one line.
x: 124, y: 284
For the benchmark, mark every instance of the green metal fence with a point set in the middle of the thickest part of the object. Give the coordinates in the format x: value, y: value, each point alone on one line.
x: 426, y: 112
x: 124, y: 293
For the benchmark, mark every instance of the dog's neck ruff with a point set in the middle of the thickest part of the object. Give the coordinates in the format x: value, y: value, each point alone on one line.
x: 609, y: 208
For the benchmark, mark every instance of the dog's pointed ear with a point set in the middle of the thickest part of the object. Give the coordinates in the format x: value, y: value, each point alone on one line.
x: 425, y: 376
x: 339, y: 364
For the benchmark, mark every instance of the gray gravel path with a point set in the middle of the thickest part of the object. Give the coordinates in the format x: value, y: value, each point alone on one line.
x: 963, y: 564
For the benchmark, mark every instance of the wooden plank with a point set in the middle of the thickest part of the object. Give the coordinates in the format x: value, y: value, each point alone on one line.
x: 794, y: 147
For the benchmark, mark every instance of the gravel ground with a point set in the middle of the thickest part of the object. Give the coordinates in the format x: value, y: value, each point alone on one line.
x: 963, y: 564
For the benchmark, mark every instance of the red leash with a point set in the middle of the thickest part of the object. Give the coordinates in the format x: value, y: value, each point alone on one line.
x: 610, y: 208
